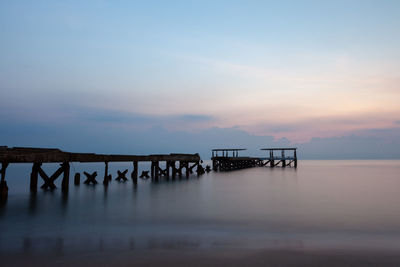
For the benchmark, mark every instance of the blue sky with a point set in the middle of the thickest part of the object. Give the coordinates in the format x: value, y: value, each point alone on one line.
x: 289, y: 70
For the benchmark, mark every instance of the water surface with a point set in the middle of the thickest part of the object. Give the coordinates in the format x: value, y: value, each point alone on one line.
x: 320, y: 206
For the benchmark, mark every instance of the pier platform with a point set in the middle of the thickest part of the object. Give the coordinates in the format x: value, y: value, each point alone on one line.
x: 227, y: 159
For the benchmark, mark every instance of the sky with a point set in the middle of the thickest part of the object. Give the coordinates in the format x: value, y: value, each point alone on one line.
x: 132, y: 76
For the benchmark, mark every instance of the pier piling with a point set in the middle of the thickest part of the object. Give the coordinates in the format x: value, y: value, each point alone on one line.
x: 77, y: 178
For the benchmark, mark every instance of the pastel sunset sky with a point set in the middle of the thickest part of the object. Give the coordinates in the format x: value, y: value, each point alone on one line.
x: 286, y: 69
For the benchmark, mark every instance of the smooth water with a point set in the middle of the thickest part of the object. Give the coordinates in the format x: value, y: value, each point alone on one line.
x: 321, y: 205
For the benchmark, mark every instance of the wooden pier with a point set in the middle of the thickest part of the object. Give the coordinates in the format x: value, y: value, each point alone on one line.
x: 38, y: 156
x: 281, y: 157
x: 227, y: 159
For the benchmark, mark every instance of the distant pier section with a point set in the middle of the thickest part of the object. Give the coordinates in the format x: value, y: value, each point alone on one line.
x: 228, y: 159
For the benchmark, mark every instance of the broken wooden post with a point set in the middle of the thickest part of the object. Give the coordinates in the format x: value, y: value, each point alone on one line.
x: 34, y: 176
x: 90, y: 178
x: 107, y: 177
x: 77, y: 178
x: 208, y: 168
x: 122, y: 176
x: 134, y: 174
x: 65, y: 180
x: 145, y: 174
x: 3, y: 183
x: 200, y: 170
x: 157, y: 170
x: 193, y: 166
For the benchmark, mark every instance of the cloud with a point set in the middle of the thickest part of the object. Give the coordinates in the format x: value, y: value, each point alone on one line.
x: 99, y: 115
x: 301, y: 130
x: 67, y: 135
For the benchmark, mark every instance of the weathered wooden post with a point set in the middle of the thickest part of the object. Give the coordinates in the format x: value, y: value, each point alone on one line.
x: 152, y: 169
x: 187, y: 169
x: 272, y: 158
x: 134, y: 174
x: 283, y: 159
x: 34, y: 176
x: 106, y: 178
x: 180, y: 169
x: 172, y: 164
x: 3, y: 183
x: 167, y: 165
x: 77, y: 178
x: 157, y: 170
x: 295, y: 159
x: 65, y: 180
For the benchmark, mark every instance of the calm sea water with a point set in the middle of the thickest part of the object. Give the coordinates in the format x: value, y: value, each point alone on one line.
x: 320, y: 205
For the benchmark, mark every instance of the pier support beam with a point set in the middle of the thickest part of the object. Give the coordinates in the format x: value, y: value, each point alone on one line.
x: 134, y: 174
x: 34, y: 176
x: 152, y: 168
x: 65, y: 180
x: 107, y: 177
x: 122, y: 176
x: 172, y: 164
x: 187, y: 169
x: 3, y: 183
x: 167, y: 166
x: 90, y: 178
x: 156, y: 170
x: 49, y: 181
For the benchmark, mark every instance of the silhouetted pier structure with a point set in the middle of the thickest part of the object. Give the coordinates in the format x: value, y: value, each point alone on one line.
x: 38, y: 156
x: 227, y: 159
x: 281, y: 157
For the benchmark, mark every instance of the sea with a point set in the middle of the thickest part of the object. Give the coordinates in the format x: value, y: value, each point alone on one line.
x: 322, y: 213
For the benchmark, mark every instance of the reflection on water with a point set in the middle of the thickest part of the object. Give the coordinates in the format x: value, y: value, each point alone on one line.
x: 322, y: 204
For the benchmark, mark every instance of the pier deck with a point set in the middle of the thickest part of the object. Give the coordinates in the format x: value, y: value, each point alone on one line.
x: 227, y: 159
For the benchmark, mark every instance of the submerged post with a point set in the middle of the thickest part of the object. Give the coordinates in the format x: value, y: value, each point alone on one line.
x: 157, y: 170
x: 34, y: 176
x: 65, y: 180
x: 172, y: 164
x: 3, y: 183
x: 106, y: 178
x: 152, y: 169
x: 134, y: 174
x: 187, y: 169
x: 77, y: 178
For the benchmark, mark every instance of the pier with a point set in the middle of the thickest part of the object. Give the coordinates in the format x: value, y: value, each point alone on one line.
x: 228, y: 159
x: 281, y: 157
x: 175, y: 165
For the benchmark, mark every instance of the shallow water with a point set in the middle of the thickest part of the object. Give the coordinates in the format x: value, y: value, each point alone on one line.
x: 321, y: 205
